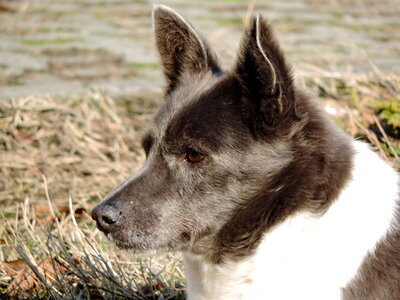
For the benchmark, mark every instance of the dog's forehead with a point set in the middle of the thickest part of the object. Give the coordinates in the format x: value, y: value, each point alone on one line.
x: 182, y: 99
x: 203, y: 114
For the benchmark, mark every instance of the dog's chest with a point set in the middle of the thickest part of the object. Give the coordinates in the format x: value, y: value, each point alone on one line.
x: 286, y: 265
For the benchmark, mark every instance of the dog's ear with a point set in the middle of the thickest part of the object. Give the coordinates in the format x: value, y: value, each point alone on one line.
x: 182, y: 50
x: 267, y: 83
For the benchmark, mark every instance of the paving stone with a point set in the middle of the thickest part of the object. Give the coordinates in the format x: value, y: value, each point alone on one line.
x: 69, y: 47
x: 21, y: 62
x: 42, y: 84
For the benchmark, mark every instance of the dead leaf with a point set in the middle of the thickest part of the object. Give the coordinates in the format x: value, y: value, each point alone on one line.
x: 80, y: 213
x: 158, y: 286
x: 80, y: 210
x: 11, y: 268
x: 23, y: 135
x: 24, y: 279
x: 44, y: 216
x: 42, y: 209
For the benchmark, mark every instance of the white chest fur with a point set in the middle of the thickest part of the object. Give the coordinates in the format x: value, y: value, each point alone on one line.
x: 309, y: 257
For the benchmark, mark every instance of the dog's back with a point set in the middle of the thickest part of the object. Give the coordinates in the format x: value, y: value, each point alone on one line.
x: 266, y: 197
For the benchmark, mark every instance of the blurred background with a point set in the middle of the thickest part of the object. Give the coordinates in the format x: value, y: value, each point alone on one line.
x: 80, y: 80
x: 69, y: 47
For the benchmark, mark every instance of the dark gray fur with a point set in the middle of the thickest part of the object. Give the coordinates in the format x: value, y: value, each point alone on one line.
x: 266, y: 149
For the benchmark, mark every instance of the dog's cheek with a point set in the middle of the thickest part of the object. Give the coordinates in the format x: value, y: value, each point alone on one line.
x: 139, y: 226
x: 193, y: 202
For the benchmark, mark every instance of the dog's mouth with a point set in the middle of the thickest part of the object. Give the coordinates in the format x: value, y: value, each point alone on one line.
x: 126, y: 231
x: 133, y: 247
x: 144, y: 232
x: 147, y: 244
x: 124, y: 245
x: 129, y: 240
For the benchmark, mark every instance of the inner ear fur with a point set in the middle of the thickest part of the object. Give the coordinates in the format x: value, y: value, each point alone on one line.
x: 265, y: 76
x: 182, y: 50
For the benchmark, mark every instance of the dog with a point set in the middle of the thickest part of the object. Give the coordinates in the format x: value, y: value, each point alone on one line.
x: 245, y: 175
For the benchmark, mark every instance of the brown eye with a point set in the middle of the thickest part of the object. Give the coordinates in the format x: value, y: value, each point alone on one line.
x: 193, y: 156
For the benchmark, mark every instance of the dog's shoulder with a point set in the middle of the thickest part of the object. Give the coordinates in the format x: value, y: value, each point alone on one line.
x: 321, y: 254
x: 378, y: 276
x: 356, y: 238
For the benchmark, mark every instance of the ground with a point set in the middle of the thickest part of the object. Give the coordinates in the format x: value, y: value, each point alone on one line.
x: 69, y: 47
x: 79, y: 80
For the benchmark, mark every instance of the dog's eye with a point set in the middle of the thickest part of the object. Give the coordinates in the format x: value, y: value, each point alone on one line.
x: 193, y: 156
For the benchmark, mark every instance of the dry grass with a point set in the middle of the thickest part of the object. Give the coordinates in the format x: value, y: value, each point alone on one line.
x: 61, y: 156
x: 367, y: 107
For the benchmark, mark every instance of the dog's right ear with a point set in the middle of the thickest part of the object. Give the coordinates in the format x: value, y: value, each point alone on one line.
x: 182, y: 50
x: 268, y: 93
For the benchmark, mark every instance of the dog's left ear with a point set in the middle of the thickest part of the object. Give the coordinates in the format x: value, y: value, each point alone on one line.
x: 268, y: 93
x: 182, y: 50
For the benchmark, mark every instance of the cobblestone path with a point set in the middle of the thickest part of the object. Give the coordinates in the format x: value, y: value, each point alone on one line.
x: 70, y: 47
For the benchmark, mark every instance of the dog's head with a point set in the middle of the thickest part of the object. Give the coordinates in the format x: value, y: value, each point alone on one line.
x: 215, y: 141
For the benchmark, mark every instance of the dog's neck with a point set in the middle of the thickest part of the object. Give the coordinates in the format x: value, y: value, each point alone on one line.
x: 318, y: 254
x: 321, y: 166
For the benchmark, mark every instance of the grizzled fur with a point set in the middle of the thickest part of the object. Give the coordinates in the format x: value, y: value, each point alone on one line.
x: 230, y: 156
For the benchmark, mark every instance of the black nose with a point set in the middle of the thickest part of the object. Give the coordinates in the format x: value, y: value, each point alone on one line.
x: 106, y: 216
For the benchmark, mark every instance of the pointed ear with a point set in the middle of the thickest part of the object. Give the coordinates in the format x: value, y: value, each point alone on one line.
x: 266, y: 78
x: 181, y: 48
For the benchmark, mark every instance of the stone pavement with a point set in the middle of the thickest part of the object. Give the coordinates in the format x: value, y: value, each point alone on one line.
x: 70, y: 47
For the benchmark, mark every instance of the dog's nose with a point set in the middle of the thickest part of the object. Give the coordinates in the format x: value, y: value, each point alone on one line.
x: 106, y: 216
